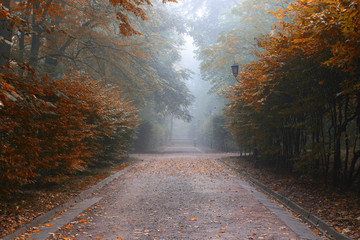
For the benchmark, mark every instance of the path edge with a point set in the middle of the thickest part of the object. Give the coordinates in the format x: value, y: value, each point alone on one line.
x: 42, y: 219
x: 303, y: 213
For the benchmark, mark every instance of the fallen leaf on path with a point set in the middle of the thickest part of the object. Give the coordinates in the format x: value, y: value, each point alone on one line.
x: 68, y: 226
x: 192, y: 219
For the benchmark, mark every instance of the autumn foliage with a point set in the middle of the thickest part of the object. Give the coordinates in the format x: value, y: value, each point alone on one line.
x: 54, y: 128
x: 70, y: 77
x: 300, y: 99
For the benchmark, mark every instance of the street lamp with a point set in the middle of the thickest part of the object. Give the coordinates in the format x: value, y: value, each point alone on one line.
x: 235, y: 69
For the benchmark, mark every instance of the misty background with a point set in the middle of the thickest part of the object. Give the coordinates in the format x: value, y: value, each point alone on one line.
x: 203, y: 22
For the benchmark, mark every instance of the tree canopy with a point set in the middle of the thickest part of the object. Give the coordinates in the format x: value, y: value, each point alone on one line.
x: 75, y: 80
x: 299, y: 98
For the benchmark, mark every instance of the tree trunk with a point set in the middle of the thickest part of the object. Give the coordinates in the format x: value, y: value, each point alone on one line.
x: 35, y: 39
x: 171, y: 129
x: 337, y: 143
x: 6, y: 34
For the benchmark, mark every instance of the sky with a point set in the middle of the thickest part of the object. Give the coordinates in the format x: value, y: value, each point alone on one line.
x: 188, y: 56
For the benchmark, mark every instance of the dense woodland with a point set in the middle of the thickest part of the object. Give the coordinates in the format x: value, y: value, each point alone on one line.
x: 77, y: 78
x: 297, y: 94
x: 82, y: 82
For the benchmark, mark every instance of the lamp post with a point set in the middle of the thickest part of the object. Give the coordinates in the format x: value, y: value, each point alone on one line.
x: 235, y: 70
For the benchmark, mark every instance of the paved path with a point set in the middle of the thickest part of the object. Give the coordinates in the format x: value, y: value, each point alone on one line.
x: 182, y: 196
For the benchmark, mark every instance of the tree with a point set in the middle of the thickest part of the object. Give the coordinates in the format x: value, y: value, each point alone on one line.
x: 302, y: 91
x: 64, y: 106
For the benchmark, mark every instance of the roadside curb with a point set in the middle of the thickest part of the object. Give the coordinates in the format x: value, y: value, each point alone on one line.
x: 303, y: 213
x: 42, y: 219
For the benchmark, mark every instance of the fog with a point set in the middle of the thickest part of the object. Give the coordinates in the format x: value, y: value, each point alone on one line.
x: 207, y: 104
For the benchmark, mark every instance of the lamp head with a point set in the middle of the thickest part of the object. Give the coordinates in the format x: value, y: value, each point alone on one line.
x: 235, y: 69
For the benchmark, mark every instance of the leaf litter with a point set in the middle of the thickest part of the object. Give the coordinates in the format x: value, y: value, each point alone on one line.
x: 35, y: 200
x: 199, y: 183
x: 339, y: 209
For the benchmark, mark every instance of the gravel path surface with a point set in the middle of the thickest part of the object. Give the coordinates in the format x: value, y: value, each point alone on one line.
x: 182, y: 196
